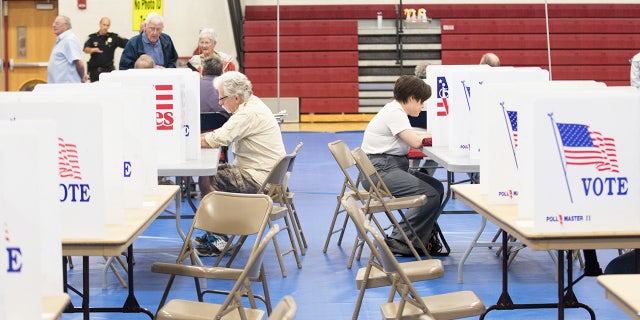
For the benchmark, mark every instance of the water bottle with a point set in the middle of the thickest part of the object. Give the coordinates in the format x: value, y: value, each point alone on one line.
x: 379, y: 19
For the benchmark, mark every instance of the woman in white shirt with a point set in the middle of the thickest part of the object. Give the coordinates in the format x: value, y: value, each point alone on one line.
x: 387, y: 140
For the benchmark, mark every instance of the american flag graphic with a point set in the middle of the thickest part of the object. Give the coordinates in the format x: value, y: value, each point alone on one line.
x: 164, y: 106
x: 68, y: 165
x: 513, y: 126
x: 442, y: 95
x: 164, y: 96
x: 583, y: 146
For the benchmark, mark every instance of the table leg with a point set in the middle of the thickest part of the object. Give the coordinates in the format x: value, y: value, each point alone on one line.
x: 85, y: 287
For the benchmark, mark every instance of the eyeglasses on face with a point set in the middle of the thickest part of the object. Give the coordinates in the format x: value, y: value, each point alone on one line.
x: 222, y: 99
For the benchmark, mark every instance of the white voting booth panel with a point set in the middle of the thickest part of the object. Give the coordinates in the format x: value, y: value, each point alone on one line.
x: 579, y: 167
x: 82, y: 182
x: 128, y: 113
x: 177, y: 109
x: 504, y: 104
x: 444, y: 80
x: 476, y: 120
x: 30, y: 246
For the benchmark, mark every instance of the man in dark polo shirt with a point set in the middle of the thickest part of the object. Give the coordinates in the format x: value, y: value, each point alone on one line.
x: 101, y: 46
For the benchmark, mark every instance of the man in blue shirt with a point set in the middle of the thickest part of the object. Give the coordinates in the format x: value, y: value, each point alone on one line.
x: 65, y: 64
x: 152, y: 42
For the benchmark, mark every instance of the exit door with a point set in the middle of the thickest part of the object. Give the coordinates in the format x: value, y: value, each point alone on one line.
x: 27, y: 39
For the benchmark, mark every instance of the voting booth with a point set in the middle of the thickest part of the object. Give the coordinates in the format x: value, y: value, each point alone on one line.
x: 504, y: 104
x: 448, y: 96
x: 128, y: 114
x: 87, y: 189
x: 579, y: 161
x: 30, y: 246
x: 177, y: 109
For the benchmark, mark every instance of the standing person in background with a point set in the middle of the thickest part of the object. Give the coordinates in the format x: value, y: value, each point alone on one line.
x: 387, y: 140
x: 152, y: 42
x: 257, y: 145
x: 65, y: 64
x: 102, y: 46
x: 207, y: 41
x: 490, y: 59
x: 635, y: 71
x: 421, y: 70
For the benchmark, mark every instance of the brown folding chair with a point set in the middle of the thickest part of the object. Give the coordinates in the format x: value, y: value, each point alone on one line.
x: 297, y: 226
x: 232, y: 307
x: 285, y: 309
x: 250, y: 217
x: 381, y: 200
x: 342, y: 154
x: 454, y: 305
x: 373, y: 275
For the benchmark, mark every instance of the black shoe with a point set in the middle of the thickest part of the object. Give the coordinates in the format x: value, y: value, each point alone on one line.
x: 592, y: 270
x: 398, y: 248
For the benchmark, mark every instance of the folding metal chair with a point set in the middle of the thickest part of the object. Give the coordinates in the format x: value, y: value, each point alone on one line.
x: 250, y: 217
x: 373, y: 275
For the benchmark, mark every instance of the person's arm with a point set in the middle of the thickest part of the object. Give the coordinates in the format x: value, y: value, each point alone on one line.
x: 80, y: 69
x: 89, y: 50
x: 203, y: 140
x: 413, y: 138
x: 170, y: 53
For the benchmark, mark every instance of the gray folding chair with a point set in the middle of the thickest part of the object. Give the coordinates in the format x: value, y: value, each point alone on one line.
x: 373, y: 275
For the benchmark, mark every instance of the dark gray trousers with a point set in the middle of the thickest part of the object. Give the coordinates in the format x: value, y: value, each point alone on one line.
x: 394, y: 173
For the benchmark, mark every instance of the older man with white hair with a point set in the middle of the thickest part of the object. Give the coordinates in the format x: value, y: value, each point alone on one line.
x: 257, y: 145
x: 151, y: 41
x: 65, y: 65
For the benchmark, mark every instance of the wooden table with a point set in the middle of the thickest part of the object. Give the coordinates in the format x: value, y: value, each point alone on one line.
x: 506, y: 218
x: 117, y: 239
x: 624, y: 291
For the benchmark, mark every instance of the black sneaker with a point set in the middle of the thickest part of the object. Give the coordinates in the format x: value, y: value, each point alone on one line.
x: 207, y: 251
x: 398, y: 248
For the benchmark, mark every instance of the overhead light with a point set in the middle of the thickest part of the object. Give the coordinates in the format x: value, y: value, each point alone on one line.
x: 44, y: 6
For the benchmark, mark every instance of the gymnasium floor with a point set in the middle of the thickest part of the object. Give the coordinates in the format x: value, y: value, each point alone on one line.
x: 324, y: 288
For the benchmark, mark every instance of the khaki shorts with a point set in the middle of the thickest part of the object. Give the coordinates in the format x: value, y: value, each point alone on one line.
x: 233, y: 179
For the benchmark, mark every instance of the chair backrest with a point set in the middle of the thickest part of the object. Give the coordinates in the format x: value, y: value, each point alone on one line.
x: 229, y: 213
x: 274, y: 183
x: 377, y: 187
x: 293, y: 155
x: 285, y: 310
x: 234, y: 299
x: 341, y: 152
x: 212, y: 120
x: 391, y: 267
x: 357, y: 215
x: 233, y: 213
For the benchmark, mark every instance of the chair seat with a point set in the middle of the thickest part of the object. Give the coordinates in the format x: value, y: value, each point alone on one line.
x: 196, y: 271
x: 193, y: 310
x: 455, y: 305
x: 416, y: 270
x: 398, y: 203
x: 278, y: 212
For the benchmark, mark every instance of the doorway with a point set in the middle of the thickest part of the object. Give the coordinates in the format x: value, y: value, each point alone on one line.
x: 27, y: 40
